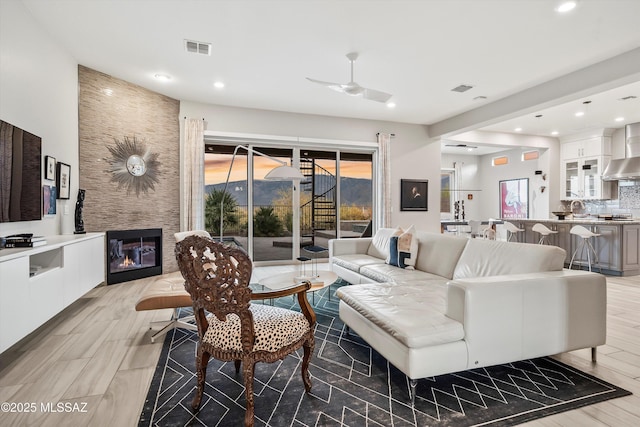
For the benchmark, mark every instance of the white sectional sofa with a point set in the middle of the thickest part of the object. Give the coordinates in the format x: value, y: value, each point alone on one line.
x: 468, y: 303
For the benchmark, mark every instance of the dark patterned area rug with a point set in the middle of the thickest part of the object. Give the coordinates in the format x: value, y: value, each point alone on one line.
x: 352, y: 385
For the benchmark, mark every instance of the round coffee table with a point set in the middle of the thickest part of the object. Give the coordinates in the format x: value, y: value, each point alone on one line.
x: 321, y: 280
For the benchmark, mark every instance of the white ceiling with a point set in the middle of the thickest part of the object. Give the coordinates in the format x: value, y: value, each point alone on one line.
x: 416, y: 50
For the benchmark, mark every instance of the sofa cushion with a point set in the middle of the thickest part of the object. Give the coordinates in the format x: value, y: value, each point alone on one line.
x: 494, y: 258
x: 438, y: 253
x: 403, y: 249
x: 389, y: 273
x: 355, y: 261
x: 379, y: 246
x: 412, y: 314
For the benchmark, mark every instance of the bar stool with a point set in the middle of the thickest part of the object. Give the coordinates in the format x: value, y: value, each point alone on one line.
x: 585, y: 235
x: 512, y: 230
x: 544, y: 233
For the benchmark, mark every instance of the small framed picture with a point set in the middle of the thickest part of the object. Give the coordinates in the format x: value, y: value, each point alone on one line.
x: 413, y: 195
x: 49, y: 168
x: 49, y: 199
x: 63, y: 181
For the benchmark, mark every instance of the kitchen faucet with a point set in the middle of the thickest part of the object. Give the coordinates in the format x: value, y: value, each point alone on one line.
x: 580, y: 202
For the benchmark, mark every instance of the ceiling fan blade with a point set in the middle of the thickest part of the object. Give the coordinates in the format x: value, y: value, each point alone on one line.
x: 375, y: 95
x: 335, y: 86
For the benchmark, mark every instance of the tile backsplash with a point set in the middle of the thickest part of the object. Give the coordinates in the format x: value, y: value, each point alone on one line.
x: 629, y: 196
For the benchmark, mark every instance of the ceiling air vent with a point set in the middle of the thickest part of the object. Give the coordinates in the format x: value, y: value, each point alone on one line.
x: 462, y: 88
x: 201, y: 48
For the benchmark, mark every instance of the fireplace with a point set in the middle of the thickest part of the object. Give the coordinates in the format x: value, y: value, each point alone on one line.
x: 133, y: 254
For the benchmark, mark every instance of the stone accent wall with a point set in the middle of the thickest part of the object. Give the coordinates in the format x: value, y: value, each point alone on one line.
x: 111, y: 109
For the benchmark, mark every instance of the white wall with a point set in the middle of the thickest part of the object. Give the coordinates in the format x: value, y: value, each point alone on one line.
x: 490, y: 177
x: 39, y: 93
x: 412, y: 155
x: 549, y: 162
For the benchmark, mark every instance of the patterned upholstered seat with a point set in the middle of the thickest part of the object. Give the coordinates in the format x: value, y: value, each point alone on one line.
x: 273, y: 328
x: 229, y: 326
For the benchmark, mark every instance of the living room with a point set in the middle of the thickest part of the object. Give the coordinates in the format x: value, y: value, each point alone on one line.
x: 45, y: 90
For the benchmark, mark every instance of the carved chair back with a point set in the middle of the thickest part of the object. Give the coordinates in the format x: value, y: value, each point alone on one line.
x: 217, y: 278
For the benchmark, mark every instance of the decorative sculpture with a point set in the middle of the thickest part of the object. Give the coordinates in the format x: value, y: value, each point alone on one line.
x: 79, y: 221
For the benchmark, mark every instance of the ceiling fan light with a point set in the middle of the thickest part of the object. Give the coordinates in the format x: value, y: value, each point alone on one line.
x: 353, y: 90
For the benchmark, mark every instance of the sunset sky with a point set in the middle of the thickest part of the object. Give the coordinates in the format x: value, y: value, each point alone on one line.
x: 216, y: 168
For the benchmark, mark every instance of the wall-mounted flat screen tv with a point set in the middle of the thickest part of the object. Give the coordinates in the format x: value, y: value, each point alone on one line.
x: 20, y: 174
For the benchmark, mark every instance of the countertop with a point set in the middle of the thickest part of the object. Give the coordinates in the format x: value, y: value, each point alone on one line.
x: 588, y: 220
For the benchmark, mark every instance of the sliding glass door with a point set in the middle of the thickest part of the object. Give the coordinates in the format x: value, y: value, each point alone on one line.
x: 272, y: 225
x: 275, y: 221
x: 356, y: 194
x: 318, y: 200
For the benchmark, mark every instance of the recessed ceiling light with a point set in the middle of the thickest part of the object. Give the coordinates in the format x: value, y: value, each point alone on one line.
x: 218, y: 85
x: 554, y: 133
x: 470, y: 149
x: 619, y: 119
x: 518, y: 129
x: 566, y: 6
x: 580, y: 114
x: 163, y: 77
x: 391, y: 105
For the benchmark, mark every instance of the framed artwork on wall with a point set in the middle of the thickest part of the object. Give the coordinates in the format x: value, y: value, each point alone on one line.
x: 413, y: 195
x: 49, y: 168
x: 63, y: 180
x: 514, y: 198
x: 48, y: 200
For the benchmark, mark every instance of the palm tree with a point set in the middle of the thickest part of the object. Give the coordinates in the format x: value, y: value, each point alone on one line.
x: 212, y: 211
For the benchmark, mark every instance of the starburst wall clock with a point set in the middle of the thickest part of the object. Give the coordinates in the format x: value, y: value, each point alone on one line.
x: 133, y: 166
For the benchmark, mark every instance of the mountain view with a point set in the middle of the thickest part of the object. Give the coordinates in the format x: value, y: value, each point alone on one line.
x: 354, y: 191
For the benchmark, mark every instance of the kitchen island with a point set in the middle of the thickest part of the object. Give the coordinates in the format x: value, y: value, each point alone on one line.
x: 617, y: 247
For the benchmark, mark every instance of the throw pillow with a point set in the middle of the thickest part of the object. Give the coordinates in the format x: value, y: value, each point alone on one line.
x: 397, y: 232
x: 403, y: 249
x: 379, y: 246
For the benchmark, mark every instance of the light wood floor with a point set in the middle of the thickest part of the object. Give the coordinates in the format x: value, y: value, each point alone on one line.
x: 97, y: 354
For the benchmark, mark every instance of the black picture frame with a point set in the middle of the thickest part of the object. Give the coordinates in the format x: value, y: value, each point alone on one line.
x: 63, y: 180
x: 414, y: 195
x: 49, y: 168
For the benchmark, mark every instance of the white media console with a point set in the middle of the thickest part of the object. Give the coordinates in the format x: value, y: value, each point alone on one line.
x: 38, y: 283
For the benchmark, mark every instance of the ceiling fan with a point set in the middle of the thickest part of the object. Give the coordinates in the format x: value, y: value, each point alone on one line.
x: 352, y: 88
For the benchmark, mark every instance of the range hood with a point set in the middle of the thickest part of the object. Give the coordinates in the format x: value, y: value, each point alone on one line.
x: 629, y: 167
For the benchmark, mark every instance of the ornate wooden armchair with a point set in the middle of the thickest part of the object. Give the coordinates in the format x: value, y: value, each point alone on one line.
x: 229, y: 326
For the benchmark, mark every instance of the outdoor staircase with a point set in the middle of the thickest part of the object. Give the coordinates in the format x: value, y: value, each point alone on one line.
x: 319, y: 213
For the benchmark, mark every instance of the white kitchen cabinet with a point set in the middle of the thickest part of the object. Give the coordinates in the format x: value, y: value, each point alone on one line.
x: 582, y: 163
x: 590, y: 147
x: 38, y: 283
x: 582, y: 178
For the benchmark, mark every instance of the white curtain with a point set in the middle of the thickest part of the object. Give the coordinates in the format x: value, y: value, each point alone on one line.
x: 193, y: 175
x: 383, y: 186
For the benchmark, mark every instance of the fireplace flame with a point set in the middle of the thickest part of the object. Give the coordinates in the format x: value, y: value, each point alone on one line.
x: 127, y: 262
